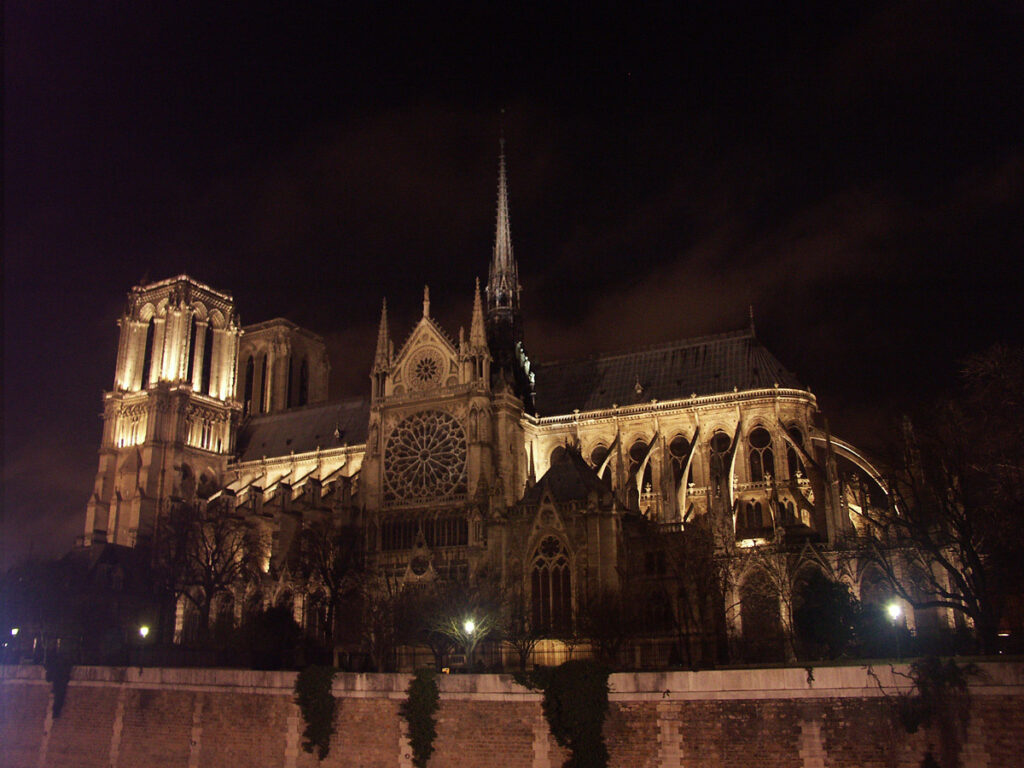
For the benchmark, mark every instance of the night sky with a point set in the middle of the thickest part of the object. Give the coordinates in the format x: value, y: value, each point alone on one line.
x: 857, y: 175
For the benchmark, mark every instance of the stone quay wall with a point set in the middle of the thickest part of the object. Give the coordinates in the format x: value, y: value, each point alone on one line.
x: 213, y: 718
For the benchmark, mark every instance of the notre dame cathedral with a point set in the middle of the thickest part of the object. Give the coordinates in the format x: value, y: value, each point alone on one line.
x: 464, y: 455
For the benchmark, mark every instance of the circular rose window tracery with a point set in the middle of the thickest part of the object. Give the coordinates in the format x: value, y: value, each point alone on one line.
x: 426, y: 369
x: 425, y: 457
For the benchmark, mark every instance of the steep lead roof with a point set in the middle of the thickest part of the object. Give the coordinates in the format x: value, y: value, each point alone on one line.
x: 704, y: 366
x: 302, y: 430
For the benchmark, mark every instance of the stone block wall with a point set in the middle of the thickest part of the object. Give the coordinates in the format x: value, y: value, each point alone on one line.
x: 201, y: 718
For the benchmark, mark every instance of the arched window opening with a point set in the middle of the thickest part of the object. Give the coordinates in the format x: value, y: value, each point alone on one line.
x: 250, y: 381
x: 679, y: 452
x: 446, y: 531
x: 398, y: 534
x: 637, y: 453
x: 558, y: 455
x: 304, y: 382
x: 598, y: 456
x: 551, y: 586
x: 791, y: 513
x: 720, y: 444
x: 204, y: 376
x: 795, y: 465
x: 761, y: 620
x: 263, y: 388
x: 316, y: 617
x: 224, y: 618
x: 191, y: 624
x: 253, y: 608
x: 286, y: 600
x: 290, y: 385
x: 147, y: 357
x: 193, y: 326
x: 762, y: 461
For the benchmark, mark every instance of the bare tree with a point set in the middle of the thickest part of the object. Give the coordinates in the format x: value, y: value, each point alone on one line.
x: 951, y: 538
x: 331, y: 559
x: 202, y: 550
x: 516, y: 626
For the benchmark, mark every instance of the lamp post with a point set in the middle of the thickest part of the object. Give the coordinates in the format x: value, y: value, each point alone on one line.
x: 895, y: 611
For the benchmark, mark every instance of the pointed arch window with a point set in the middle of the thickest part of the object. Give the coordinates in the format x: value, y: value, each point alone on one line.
x: 250, y: 381
x: 207, y: 362
x: 720, y: 444
x: 263, y: 405
x: 762, y: 460
x: 551, y: 585
x: 304, y: 382
x: 679, y: 452
x: 637, y: 454
x: 147, y: 356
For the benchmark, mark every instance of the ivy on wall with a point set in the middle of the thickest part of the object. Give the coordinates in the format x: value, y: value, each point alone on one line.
x: 575, y: 705
x: 58, y: 674
x: 419, y: 709
x: 314, y: 697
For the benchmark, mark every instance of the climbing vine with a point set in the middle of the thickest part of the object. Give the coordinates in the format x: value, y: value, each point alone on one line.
x: 939, y: 698
x: 419, y: 709
x: 314, y: 697
x: 58, y: 674
x: 575, y: 705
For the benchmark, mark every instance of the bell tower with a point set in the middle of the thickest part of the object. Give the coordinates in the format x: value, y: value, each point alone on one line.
x: 169, y: 421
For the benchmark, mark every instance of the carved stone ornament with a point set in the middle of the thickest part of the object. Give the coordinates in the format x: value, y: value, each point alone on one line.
x: 425, y: 457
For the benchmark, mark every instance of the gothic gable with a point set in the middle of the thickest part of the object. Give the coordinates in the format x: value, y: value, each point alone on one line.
x: 427, y: 361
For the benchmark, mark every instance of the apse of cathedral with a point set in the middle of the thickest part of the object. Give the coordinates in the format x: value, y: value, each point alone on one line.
x: 464, y: 457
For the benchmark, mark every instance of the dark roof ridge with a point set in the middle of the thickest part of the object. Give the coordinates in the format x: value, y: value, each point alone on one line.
x: 657, y: 347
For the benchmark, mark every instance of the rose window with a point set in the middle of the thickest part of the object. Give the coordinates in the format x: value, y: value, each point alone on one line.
x: 425, y: 457
x: 425, y: 369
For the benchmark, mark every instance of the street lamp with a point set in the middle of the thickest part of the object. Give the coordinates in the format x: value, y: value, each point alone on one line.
x: 143, y: 631
x: 469, y: 626
x: 895, y: 611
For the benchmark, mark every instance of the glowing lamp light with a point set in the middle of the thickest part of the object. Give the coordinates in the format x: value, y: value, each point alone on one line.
x: 469, y: 625
x: 143, y: 631
x: 894, y: 611
x: 14, y: 631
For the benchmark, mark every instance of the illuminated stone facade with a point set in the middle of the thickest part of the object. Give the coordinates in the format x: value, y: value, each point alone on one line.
x: 465, y: 457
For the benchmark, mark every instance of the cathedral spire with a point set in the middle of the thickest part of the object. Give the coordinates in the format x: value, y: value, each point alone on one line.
x: 503, y: 280
x: 382, y: 357
x: 426, y: 301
